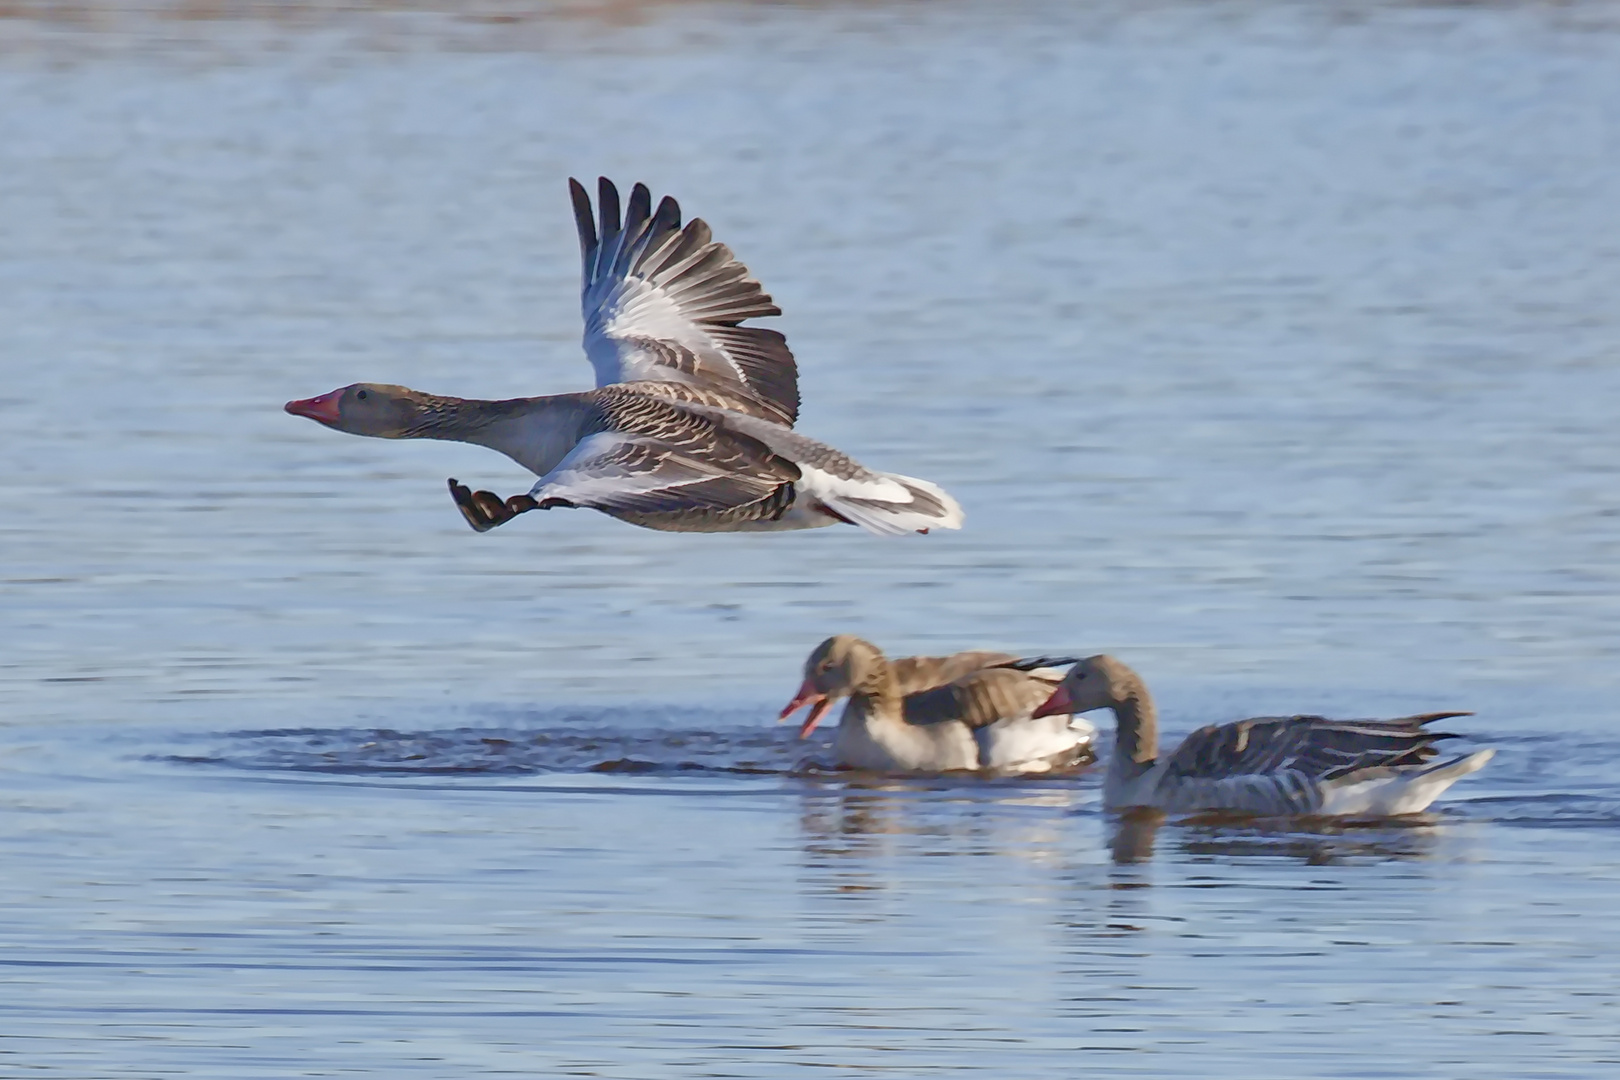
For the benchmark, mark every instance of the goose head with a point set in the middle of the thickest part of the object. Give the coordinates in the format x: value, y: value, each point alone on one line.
x: 376, y: 409
x: 836, y: 668
x: 1097, y: 682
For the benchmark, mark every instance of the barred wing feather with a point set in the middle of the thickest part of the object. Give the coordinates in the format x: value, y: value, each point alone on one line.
x: 666, y: 461
x: 1312, y: 747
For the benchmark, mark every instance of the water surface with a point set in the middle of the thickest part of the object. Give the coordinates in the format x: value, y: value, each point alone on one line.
x: 1272, y: 351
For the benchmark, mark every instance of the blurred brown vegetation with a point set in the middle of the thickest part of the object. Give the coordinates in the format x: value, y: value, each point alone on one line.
x: 80, y: 27
x: 492, y: 11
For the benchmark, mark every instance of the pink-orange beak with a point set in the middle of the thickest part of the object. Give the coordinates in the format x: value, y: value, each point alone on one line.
x: 807, y: 695
x: 323, y: 408
x: 1058, y: 704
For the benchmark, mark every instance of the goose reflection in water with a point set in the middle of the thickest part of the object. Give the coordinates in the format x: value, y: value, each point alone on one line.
x: 884, y: 816
x: 1316, y: 843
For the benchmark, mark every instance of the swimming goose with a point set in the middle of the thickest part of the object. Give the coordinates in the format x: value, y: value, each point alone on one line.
x: 979, y: 720
x: 1269, y: 765
x: 690, y: 428
x: 911, y: 674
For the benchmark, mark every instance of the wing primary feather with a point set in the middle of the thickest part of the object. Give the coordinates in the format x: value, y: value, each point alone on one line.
x: 663, y: 236
x: 661, y: 229
x: 584, y: 222
x: 636, y: 218
x: 669, y: 212
x: 694, y: 239
x: 639, y: 210
x: 673, y: 253
x: 607, y: 198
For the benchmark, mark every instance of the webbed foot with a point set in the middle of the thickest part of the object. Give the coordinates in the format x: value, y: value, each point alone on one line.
x: 484, y: 509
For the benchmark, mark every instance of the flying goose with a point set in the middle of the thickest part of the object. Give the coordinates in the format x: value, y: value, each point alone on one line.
x: 1269, y: 765
x: 690, y: 427
x: 978, y: 720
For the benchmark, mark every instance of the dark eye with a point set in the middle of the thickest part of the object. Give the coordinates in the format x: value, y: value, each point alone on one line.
x: 361, y: 394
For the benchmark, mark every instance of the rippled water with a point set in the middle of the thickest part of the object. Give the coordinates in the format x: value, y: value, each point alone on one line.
x: 1272, y: 350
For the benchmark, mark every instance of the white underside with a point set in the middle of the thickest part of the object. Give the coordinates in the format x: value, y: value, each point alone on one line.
x: 1032, y: 745
x: 1020, y: 745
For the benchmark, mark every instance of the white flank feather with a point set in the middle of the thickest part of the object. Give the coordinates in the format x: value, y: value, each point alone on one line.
x: 1020, y: 744
x: 1398, y: 791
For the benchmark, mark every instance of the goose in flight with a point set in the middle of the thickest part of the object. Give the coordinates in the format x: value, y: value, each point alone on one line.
x: 690, y: 427
x: 1272, y: 766
x: 901, y: 720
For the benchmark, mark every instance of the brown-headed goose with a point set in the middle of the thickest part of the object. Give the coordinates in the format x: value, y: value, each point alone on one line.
x: 690, y: 428
x: 911, y: 675
x: 979, y: 720
x: 1269, y: 765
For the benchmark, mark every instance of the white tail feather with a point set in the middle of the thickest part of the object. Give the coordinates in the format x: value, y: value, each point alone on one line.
x: 888, y: 504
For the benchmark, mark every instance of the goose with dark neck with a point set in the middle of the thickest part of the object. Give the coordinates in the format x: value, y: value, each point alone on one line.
x: 690, y: 427
x: 1269, y: 766
x: 898, y: 720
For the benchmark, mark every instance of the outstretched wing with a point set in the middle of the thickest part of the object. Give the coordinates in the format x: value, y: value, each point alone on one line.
x: 663, y: 460
x: 662, y: 303
x: 1309, y: 746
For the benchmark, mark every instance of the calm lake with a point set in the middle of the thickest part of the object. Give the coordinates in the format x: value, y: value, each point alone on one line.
x: 1273, y: 348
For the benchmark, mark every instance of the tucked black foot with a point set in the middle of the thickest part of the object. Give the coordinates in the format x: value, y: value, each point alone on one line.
x: 484, y: 509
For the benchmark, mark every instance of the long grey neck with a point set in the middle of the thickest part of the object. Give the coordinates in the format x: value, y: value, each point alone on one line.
x: 534, y: 432
x: 1137, y: 724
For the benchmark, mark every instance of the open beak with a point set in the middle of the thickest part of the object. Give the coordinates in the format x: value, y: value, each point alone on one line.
x: 1056, y: 705
x: 819, y: 704
x: 323, y: 408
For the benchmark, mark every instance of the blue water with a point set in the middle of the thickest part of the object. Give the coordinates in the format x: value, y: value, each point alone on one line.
x: 1270, y: 349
